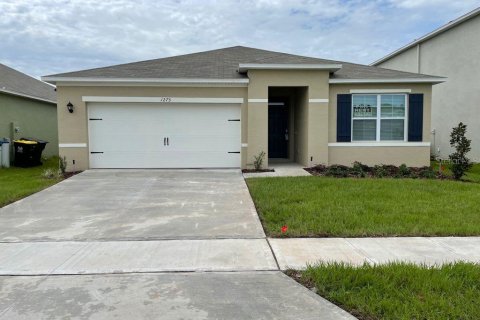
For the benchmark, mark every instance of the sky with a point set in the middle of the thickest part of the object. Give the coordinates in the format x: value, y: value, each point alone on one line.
x: 53, y: 36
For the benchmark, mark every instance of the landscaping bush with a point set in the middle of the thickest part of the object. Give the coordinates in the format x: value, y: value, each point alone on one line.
x: 379, y: 171
x: 338, y: 171
x: 404, y: 171
x: 458, y: 141
x: 258, y: 161
x: 359, y: 170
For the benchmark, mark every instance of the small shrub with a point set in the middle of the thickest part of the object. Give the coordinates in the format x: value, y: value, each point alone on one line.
x: 337, y: 171
x: 427, y: 173
x: 50, y: 174
x: 258, y: 161
x: 404, y: 171
x: 460, y: 162
x: 379, y: 171
x: 62, y: 164
x: 360, y: 170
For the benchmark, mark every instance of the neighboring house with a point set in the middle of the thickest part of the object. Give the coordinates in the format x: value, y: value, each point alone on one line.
x: 28, y: 108
x: 221, y: 108
x: 452, y: 51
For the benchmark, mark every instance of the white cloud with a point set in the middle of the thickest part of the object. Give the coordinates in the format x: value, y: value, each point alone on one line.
x: 44, y: 37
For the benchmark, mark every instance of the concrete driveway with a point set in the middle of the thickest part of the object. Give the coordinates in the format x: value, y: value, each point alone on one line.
x: 145, y: 244
x: 136, y: 205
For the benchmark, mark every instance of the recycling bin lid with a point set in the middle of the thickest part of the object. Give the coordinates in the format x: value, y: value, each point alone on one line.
x: 33, y: 139
x: 21, y: 141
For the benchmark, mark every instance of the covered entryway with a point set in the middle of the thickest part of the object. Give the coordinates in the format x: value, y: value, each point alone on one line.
x: 287, y: 123
x: 159, y: 135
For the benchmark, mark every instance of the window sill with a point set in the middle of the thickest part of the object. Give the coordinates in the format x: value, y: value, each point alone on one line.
x: 379, y: 144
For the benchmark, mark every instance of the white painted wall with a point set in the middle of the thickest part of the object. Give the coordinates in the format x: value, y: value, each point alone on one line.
x: 454, y: 54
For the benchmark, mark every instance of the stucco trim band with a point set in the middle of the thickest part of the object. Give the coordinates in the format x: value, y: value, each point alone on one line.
x: 318, y: 100
x: 72, y: 145
x: 380, y: 90
x: 161, y: 99
x: 258, y: 100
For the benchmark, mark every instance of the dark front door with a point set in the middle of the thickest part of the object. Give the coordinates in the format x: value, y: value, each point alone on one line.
x: 277, y: 130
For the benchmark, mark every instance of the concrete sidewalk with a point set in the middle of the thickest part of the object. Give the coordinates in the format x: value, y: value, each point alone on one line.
x: 296, y: 253
x: 282, y: 169
x: 135, y: 256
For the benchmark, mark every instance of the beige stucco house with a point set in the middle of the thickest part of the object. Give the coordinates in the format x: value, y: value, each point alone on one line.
x: 221, y: 108
x: 452, y: 50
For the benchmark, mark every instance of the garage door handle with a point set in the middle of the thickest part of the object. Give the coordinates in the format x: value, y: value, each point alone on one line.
x: 164, y: 141
x: 168, y: 142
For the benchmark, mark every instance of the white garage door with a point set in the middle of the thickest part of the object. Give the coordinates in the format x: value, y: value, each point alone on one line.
x: 150, y: 135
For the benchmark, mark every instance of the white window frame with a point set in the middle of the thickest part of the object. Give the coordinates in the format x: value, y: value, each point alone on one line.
x: 379, y: 118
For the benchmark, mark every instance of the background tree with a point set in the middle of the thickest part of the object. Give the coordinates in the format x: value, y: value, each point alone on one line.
x: 458, y: 140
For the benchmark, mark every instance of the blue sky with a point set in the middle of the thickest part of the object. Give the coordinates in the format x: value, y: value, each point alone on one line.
x: 45, y: 37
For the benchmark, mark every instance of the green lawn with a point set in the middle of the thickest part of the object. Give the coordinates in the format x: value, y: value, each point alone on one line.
x: 398, y: 291
x: 473, y: 175
x: 17, y: 183
x: 349, y: 207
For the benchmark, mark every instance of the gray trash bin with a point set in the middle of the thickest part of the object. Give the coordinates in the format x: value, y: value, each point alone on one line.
x: 5, y: 157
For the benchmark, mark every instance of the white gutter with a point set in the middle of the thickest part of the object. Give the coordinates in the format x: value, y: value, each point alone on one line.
x: 244, y: 67
x: 398, y: 80
x: 13, y: 93
x: 55, y: 79
x: 430, y: 35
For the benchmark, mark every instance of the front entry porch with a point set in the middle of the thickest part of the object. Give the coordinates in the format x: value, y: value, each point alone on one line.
x: 286, y: 125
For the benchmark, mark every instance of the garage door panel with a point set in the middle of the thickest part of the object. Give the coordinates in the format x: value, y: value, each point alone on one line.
x: 132, y: 135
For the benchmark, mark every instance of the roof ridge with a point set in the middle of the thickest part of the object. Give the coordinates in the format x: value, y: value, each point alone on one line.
x: 147, y: 60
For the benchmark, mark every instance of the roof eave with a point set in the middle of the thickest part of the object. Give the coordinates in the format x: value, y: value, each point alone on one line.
x: 18, y: 94
x: 392, y: 80
x: 428, y: 36
x: 143, y: 81
x: 244, y: 67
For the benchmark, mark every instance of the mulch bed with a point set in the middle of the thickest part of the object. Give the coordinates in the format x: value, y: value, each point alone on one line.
x: 359, y: 170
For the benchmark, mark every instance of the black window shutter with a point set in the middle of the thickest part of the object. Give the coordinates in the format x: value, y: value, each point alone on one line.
x: 344, y: 118
x: 415, y: 117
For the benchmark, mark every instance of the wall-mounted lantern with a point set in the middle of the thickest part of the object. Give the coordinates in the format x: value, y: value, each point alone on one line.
x: 70, y: 107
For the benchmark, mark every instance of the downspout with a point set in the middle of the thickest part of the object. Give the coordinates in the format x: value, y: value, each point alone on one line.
x: 418, y: 58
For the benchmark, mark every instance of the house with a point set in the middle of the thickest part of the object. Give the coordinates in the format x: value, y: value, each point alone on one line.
x: 221, y: 108
x: 452, y: 50
x: 28, y: 108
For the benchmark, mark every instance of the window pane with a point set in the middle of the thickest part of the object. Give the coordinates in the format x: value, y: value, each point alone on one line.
x: 392, y: 129
x: 364, y: 130
x: 364, y: 106
x: 393, y: 106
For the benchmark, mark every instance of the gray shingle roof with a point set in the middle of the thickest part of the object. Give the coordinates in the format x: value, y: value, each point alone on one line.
x: 15, y: 82
x: 223, y: 64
